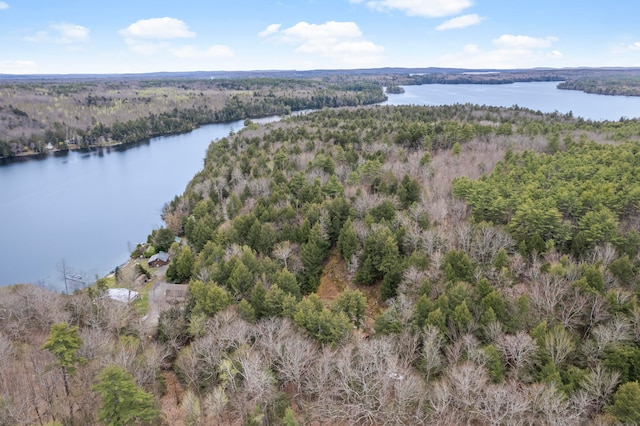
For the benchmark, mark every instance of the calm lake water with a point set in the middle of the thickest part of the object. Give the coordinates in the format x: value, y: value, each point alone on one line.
x: 537, y: 96
x: 91, y: 208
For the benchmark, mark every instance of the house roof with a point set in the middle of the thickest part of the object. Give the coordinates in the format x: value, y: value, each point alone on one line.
x: 162, y: 256
x: 123, y: 295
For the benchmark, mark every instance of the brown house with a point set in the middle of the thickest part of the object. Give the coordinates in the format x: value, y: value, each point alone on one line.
x: 159, y: 259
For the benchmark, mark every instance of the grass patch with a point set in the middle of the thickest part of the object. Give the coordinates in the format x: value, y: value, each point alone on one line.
x: 141, y: 304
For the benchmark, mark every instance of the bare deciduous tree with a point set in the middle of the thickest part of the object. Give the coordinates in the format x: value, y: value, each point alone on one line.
x: 517, y: 349
x: 431, y: 351
x: 502, y: 404
x: 559, y: 344
x: 546, y: 294
x: 595, y: 389
x: 283, y: 251
x: 293, y: 358
x: 214, y: 404
x: 617, y: 330
x: 549, y: 406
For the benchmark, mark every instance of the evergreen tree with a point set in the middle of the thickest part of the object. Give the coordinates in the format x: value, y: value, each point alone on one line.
x: 353, y: 304
x: 162, y: 239
x: 287, y: 282
x: 257, y: 299
x: 63, y: 343
x: 123, y: 403
x: 458, y: 266
x: 348, y: 241
x: 626, y: 404
x: 208, y: 298
x: 312, y: 254
x: 240, y: 280
x: 409, y: 191
x: 321, y: 323
x: 181, y: 266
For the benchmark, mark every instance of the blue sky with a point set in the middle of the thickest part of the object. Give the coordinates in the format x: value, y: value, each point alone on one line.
x: 79, y: 36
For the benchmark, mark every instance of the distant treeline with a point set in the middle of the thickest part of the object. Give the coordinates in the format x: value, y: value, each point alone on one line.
x: 623, y: 85
x: 37, y: 117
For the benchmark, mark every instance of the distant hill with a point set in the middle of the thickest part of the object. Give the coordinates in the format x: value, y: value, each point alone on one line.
x: 564, y: 72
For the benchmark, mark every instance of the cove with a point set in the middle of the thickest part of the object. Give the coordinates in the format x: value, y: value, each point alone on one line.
x: 91, y: 208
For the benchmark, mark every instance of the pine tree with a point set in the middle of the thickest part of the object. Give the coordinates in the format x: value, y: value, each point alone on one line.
x: 348, y: 241
x: 63, y: 343
x: 626, y: 404
x: 123, y: 403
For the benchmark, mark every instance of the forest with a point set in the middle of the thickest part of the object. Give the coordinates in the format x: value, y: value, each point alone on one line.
x: 366, y: 265
x: 625, y: 85
x: 43, y: 116
x: 38, y: 116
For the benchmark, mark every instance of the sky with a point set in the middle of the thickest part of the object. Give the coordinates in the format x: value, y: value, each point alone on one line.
x: 138, y: 36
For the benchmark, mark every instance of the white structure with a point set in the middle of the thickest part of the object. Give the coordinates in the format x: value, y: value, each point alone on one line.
x: 123, y: 295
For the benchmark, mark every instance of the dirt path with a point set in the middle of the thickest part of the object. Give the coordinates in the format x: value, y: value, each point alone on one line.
x: 335, y: 279
x: 161, y: 297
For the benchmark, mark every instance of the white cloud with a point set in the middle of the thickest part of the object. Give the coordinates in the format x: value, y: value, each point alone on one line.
x: 510, y: 52
x: 157, y: 35
x: 18, y: 67
x: 146, y: 47
x: 271, y: 29
x: 71, y: 33
x: 342, y: 42
x: 424, y: 8
x: 62, y: 33
x: 193, y: 52
x: 3, y: 5
x: 460, y: 22
x: 157, y: 28
x: 321, y: 33
x: 520, y: 41
x: 629, y: 50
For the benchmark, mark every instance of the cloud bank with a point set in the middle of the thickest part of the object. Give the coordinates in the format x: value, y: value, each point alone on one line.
x: 511, y: 51
x: 18, y: 67
x: 158, y: 35
x: 61, y: 33
x: 157, y: 28
x: 342, y: 42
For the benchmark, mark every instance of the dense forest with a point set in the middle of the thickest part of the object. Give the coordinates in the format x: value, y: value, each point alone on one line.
x: 369, y: 265
x: 625, y: 84
x: 47, y: 114
x: 37, y: 117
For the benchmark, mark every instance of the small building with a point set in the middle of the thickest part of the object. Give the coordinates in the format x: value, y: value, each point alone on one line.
x: 141, y: 280
x: 176, y: 293
x: 123, y: 295
x: 159, y: 259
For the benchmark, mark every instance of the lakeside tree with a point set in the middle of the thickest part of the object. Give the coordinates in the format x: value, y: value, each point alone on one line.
x: 162, y: 239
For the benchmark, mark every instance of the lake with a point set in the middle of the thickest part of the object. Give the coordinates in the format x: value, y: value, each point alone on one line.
x: 92, y: 208
x: 539, y: 96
